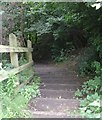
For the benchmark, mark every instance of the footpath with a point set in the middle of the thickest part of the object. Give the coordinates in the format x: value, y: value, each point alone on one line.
x: 58, y: 85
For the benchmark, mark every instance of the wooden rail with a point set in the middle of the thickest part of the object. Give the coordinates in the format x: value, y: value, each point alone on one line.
x: 13, y: 49
x: 14, y: 71
x: 8, y: 49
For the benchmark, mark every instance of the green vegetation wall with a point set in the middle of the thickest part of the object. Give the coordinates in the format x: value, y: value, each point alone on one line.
x: 53, y: 27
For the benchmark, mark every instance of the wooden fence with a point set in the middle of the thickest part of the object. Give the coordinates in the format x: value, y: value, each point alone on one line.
x: 13, y: 49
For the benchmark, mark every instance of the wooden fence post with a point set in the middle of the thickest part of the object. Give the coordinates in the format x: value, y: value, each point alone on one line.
x: 13, y: 55
x: 29, y: 54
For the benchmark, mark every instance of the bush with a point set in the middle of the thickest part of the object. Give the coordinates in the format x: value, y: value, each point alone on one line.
x: 60, y: 58
x: 14, y: 101
x: 84, y: 65
x: 15, y: 104
x: 91, y: 93
x: 97, y: 44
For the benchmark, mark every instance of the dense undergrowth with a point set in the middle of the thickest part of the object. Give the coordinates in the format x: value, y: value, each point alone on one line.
x: 91, y: 93
x: 15, y: 101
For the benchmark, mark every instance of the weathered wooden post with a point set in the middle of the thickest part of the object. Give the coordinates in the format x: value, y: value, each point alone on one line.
x: 29, y: 54
x: 14, y: 55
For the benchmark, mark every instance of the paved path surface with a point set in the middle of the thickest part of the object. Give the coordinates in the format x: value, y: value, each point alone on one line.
x: 57, y: 93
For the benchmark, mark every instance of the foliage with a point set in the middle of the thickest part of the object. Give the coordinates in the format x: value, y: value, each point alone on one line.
x: 14, y: 104
x: 37, y: 19
x: 90, y: 106
x: 30, y: 91
x: 91, y: 92
x: 92, y: 53
x: 97, y: 43
x: 11, y: 105
x: 40, y: 18
x: 62, y: 57
x: 85, y: 61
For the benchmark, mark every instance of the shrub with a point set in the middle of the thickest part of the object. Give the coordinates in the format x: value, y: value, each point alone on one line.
x: 84, y: 65
x: 91, y: 94
x: 14, y: 101
x: 97, y: 43
x: 60, y: 58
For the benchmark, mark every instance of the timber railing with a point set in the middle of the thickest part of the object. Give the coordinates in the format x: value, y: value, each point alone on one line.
x: 14, y: 49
